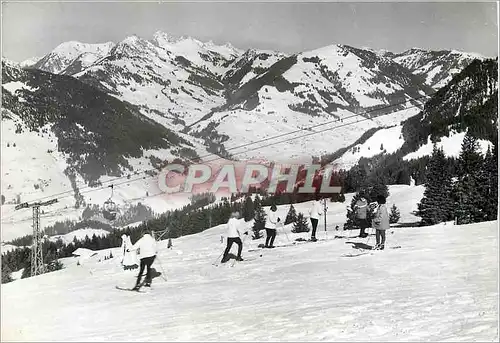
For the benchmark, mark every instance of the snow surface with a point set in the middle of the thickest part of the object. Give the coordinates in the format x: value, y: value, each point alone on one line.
x: 441, y: 285
x: 451, y: 145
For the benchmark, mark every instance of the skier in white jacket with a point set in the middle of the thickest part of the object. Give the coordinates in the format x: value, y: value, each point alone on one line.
x: 146, y: 247
x: 234, y: 233
x: 314, y: 213
x: 271, y: 220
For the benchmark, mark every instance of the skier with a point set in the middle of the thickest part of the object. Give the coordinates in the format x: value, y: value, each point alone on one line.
x: 361, y: 219
x: 271, y: 221
x: 233, y: 236
x: 129, y: 259
x: 146, y: 247
x: 314, y: 213
x: 381, y: 223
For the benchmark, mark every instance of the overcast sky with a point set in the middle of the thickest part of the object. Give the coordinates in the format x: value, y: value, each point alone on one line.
x: 35, y: 28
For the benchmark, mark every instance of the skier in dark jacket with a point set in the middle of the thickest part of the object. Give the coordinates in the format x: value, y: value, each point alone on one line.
x: 360, y: 209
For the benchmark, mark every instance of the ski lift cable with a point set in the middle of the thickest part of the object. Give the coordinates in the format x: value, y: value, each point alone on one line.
x: 267, y: 139
x: 83, y: 190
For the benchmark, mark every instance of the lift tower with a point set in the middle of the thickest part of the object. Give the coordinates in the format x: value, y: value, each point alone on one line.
x: 36, y: 250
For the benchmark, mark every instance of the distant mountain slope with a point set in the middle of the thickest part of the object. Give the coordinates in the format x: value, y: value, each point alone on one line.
x: 468, y: 103
x: 95, y: 131
x: 436, y: 67
x: 324, y: 85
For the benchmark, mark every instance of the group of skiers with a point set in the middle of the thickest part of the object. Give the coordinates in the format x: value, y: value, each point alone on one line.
x: 146, y: 246
x: 380, y: 223
x: 380, y: 220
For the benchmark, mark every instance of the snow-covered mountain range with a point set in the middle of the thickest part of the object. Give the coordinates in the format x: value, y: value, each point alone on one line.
x: 109, y: 110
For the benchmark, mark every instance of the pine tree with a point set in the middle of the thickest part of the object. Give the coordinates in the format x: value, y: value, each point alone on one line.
x: 490, y: 188
x: 259, y: 222
x: 291, y: 217
x: 257, y: 201
x: 301, y: 224
x: 437, y: 205
x: 471, y: 184
x: 6, y: 273
x: 394, y: 216
x: 351, y: 214
x: 248, y: 209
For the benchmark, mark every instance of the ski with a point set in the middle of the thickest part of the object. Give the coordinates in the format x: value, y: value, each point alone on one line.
x: 233, y: 262
x: 129, y: 289
x: 356, y: 255
x: 367, y: 251
x: 288, y: 245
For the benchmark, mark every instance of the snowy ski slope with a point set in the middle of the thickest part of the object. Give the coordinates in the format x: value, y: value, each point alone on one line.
x: 440, y: 285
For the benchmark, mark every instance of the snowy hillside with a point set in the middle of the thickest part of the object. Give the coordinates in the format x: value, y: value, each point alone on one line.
x: 384, y: 141
x: 451, y: 146
x: 79, y: 235
x: 440, y: 285
x: 8, y: 247
x: 436, y: 67
x: 249, y: 65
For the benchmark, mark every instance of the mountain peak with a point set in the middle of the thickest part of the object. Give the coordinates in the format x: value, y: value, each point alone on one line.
x: 160, y: 38
x: 66, y: 53
x: 76, y: 48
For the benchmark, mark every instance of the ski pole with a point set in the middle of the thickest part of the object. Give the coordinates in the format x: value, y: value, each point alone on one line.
x: 324, y: 213
x: 215, y: 262
x: 162, y: 270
